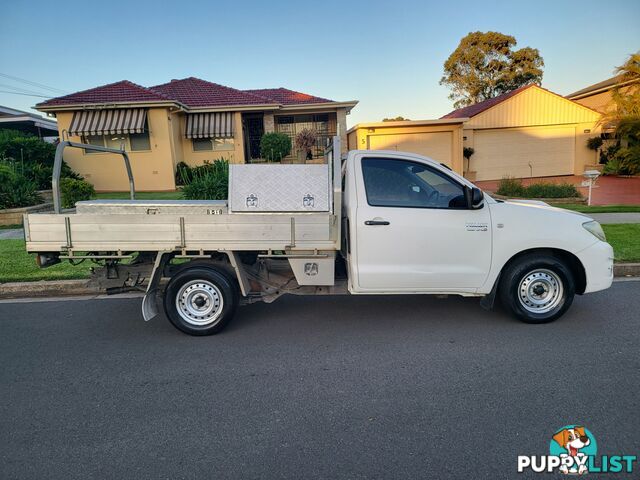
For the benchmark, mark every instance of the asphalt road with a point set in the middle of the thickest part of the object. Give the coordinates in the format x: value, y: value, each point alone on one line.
x: 333, y: 387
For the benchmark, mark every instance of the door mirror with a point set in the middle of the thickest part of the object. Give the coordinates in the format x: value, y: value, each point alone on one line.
x: 474, y: 198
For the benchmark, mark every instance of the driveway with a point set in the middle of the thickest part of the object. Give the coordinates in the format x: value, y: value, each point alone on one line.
x: 323, y: 387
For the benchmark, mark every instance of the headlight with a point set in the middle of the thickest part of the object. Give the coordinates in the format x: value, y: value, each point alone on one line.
x: 595, y: 229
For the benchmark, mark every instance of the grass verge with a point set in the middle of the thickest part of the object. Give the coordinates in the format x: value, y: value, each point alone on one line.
x: 578, y: 207
x: 16, y: 265
x: 625, y: 240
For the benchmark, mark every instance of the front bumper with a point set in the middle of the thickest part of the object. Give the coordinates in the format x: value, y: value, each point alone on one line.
x: 597, y: 261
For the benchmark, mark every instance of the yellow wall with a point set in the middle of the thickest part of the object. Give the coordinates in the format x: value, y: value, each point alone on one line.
x: 152, y: 170
x: 198, y: 158
x: 533, y: 106
x: 541, y: 113
x: 581, y: 158
x: 360, y: 138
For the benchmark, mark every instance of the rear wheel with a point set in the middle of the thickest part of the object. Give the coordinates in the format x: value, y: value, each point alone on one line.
x: 200, y: 300
x: 537, y: 288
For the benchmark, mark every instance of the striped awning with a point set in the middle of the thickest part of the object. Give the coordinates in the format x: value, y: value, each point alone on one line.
x: 209, y: 125
x: 108, y: 122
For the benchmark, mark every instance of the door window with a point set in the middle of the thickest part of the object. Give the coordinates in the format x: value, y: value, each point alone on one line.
x: 402, y: 183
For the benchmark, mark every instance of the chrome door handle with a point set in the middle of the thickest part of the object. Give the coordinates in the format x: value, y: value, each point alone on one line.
x: 376, y: 222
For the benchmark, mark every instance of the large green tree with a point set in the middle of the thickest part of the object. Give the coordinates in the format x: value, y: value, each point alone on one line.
x: 485, y: 65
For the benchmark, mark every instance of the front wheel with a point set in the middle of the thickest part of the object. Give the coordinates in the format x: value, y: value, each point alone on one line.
x: 200, y: 300
x: 537, y: 288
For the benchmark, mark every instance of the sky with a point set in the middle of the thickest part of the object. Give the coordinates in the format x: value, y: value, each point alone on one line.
x: 386, y: 54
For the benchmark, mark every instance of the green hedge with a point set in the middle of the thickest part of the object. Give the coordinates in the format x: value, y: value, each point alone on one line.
x: 511, y: 187
x: 31, y: 157
x: 15, y: 189
x: 73, y: 191
x: 275, y: 146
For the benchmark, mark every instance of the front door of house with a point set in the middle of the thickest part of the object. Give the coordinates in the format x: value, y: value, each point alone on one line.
x: 254, y: 131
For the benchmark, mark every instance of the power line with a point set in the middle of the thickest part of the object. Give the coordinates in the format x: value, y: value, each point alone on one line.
x: 34, y: 84
x: 25, y: 94
x: 20, y: 89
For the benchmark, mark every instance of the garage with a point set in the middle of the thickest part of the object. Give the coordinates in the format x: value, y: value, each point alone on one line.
x: 440, y: 140
x: 435, y: 145
x: 523, y: 152
x: 528, y: 132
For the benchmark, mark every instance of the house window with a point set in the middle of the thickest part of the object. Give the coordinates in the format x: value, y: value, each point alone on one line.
x: 139, y: 141
x: 324, y: 124
x: 134, y: 142
x: 212, y: 144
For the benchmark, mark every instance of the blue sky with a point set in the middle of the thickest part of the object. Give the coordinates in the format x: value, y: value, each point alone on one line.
x: 388, y: 55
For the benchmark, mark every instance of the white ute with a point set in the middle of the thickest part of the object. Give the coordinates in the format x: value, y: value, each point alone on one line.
x: 377, y: 222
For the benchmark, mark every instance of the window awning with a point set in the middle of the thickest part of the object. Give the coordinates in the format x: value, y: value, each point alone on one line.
x: 108, y: 122
x: 209, y: 125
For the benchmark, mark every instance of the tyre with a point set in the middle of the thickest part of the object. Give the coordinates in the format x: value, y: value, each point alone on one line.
x: 200, y: 300
x: 537, y: 288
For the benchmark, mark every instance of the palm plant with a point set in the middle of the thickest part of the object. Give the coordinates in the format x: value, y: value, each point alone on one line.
x: 623, y: 114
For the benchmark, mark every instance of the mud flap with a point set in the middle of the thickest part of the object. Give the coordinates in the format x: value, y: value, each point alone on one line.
x: 149, y: 305
x: 489, y: 299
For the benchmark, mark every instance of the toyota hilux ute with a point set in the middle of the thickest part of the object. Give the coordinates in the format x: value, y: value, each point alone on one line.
x: 369, y: 223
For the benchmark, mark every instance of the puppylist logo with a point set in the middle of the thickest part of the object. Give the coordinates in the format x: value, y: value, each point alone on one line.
x: 573, y: 451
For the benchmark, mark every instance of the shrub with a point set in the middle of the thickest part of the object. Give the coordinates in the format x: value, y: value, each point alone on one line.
x: 629, y: 160
x: 73, y: 190
x: 275, y: 146
x: 305, y: 141
x: 467, y: 152
x: 31, y: 157
x: 208, y: 182
x: 612, y: 167
x: 15, y: 189
x: 510, y: 187
x: 185, y: 174
x: 551, y: 190
x: 594, y: 143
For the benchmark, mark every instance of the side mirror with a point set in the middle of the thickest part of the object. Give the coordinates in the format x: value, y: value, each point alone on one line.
x: 474, y: 198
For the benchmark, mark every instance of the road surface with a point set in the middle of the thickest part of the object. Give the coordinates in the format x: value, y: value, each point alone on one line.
x: 327, y: 387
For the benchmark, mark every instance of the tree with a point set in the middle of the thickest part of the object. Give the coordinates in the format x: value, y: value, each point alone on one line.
x: 399, y: 118
x: 625, y: 96
x: 623, y: 114
x: 485, y: 65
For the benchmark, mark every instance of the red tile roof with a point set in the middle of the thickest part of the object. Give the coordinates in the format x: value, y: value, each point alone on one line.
x: 194, y: 92
x: 118, y: 92
x: 285, y: 96
x: 191, y: 92
x: 473, y: 110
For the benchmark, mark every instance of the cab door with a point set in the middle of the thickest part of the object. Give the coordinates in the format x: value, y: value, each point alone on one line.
x: 414, y: 231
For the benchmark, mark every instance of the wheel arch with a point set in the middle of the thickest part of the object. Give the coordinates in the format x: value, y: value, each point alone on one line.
x: 573, y: 263
x: 228, y: 262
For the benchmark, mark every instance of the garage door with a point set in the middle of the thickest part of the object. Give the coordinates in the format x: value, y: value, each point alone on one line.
x: 523, y: 152
x: 435, y: 145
